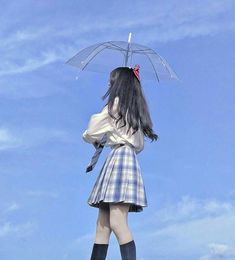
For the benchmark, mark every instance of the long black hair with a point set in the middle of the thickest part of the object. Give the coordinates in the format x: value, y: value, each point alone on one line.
x: 124, y: 85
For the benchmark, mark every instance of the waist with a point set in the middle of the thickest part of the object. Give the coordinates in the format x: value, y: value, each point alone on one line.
x: 119, y: 145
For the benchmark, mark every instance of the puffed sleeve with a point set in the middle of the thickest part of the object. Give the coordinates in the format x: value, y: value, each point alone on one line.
x: 98, y: 125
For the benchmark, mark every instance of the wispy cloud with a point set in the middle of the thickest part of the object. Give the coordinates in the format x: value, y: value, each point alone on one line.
x: 8, y: 209
x: 219, y: 251
x: 17, y: 230
x: 21, y: 36
x: 25, y: 138
x: 38, y: 45
x: 81, y: 239
x: 8, y: 140
x: 29, y: 64
x: 34, y: 46
x: 166, y: 21
x: 79, y: 246
x: 13, y: 207
x: 42, y: 193
x: 191, y: 225
x: 189, y: 208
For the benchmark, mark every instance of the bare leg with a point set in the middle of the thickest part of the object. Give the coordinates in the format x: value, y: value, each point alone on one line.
x: 119, y: 222
x: 103, y: 230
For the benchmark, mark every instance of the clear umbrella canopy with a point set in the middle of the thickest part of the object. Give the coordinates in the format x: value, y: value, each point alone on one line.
x: 106, y: 56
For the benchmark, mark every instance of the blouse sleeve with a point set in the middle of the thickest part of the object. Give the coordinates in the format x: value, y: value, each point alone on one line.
x: 98, y: 125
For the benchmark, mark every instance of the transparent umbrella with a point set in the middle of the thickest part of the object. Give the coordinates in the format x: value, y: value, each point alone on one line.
x: 105, y: 56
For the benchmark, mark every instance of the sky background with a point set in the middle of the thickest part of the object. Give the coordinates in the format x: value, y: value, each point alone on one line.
x: 45, y: 106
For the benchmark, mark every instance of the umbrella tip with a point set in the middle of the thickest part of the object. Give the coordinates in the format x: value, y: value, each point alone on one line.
x: 129, y: 37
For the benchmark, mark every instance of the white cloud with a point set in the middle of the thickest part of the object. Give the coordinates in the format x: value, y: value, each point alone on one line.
x: 162, y: 21
x: 219, y: 251
x: 20, y: 230
x: 23, y: 35
x: 42, y: 193
x: 30, y: 64
x: 184, y: 230
x: 165, y: 21
x: 39, y: 45
x: 83, y: 238
x: 190, y: 225
x: 12, y: 230
x: 8, y: 140
x: 25, y: 138
x: 189, y: 208
x: 28, y: 90
x: 9, y: 209
x: 13, y: 207
x: 38, y: 135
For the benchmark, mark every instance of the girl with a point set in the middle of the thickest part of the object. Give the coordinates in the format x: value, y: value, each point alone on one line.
x: 119, y: 188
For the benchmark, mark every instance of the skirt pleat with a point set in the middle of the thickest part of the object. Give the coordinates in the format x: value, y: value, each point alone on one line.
x: 120, y: 180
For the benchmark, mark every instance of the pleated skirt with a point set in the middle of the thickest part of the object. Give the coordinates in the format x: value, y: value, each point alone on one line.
x: 120, y: 180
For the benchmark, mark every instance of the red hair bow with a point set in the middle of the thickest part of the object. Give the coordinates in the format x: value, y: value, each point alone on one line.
x: 136, y: 71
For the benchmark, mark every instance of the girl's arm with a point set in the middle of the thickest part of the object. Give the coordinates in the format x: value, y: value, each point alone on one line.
x: 98, y: 125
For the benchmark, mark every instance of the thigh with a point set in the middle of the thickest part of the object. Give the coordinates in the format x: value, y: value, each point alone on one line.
x: 119, y: 211
x: 103, y: 215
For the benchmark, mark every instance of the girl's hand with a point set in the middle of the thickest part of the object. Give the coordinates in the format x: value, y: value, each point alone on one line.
x: 96, y: 144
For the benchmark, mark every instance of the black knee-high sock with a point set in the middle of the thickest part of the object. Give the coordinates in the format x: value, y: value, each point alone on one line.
x: 99, y: 251
x: 128, y: 251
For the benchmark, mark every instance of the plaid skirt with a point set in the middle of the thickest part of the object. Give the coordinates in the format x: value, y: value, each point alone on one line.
x: 120, y: 180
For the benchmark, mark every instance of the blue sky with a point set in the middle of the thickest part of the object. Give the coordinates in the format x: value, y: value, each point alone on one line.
x: 44, y: 109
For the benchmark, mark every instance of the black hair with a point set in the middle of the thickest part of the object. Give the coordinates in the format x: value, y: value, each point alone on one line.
x: 124, y: 85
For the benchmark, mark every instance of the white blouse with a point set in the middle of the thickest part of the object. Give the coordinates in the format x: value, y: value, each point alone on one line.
x: 102, y: 123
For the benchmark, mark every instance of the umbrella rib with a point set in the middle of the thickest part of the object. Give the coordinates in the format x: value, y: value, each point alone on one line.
x: 117, y: 46
x: 152, y: 65
x: 165, y: 63
x: 105, y: 47
x: 116, y: 49
x: 94, y: 56
x: 143, y: 51
x: 80, y: 51
x: 110, y: 47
